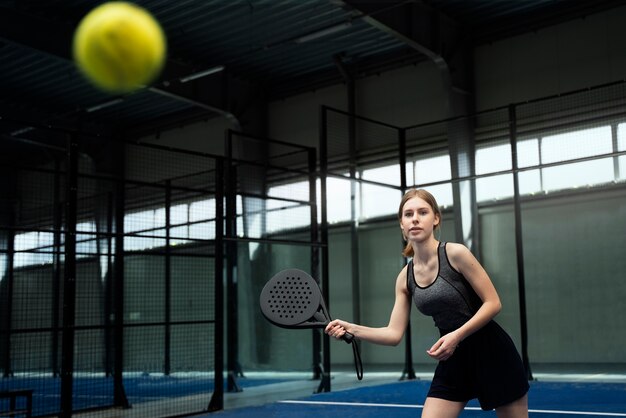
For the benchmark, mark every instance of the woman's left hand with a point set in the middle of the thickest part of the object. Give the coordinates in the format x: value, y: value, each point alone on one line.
x: 444, y: 348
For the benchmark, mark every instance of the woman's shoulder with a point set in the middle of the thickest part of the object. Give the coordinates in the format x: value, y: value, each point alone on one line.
x: 456, y: 251
x: 403, y: 272
x: 455, y: 247
x: 401, y: 280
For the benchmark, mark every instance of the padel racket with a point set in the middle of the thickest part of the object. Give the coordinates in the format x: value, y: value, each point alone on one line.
x: 292, y: 299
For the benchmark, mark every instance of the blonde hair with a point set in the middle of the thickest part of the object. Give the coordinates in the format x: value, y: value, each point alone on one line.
x: 432, y: 202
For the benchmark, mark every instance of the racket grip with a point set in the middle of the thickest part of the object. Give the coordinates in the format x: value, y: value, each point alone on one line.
x: 347, y: 337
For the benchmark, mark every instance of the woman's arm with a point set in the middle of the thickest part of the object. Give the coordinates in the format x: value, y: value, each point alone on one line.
x: 465, y: 263
x: 389, y: 335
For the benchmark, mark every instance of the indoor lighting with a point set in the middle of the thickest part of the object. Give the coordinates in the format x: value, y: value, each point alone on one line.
x: 104, y: 105
x: 323, y: 32
x: 201, y: 74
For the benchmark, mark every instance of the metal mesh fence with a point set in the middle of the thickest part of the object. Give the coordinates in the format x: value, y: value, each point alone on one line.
x: 272, y: 224
x: 109, y: 281
x: 537, y: 191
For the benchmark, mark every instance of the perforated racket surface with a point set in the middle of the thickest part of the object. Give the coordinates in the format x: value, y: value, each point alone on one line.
x: 292, y: 299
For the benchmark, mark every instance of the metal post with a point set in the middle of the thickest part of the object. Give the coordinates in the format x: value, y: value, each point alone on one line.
x: 6, y: 323
x: 352, y: 153
x: 315, y: 257
x: 232, y: 365
x: 519, y: 245
x: 119, y: 393
x: 56, y: 270
x: 217, y: 400
x: 409, y: 371
x: 168, y: 279
x: 108, y: 337
x: 69, y: 278
x: 324, y: 385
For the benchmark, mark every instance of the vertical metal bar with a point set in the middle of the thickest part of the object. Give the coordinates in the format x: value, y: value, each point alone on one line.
x: 168, y: 279
x: 324, y: 385
x: 231, y: 270
x: 615, y: 148
x: 217, y: 400
x: 108, y: 337
x: 314, y: 234
x: 315, y: 255
x: 119, y: 393
x: 7, y: 323
x: 519, y: 244
x: 56, y: 270
x: 409, y: 371
x: 354, y: 235
x: 352, y: 155
x: 402, y: 158
x: 539, y: 144
x: 69, y: 278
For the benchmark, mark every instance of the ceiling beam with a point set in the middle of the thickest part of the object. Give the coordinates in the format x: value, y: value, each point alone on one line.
x: 420, y: 26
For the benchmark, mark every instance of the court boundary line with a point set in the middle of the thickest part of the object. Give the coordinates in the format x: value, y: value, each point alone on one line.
x: 471, y: 408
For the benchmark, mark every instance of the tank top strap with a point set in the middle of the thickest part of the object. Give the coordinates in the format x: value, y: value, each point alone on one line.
x: 445, y: 269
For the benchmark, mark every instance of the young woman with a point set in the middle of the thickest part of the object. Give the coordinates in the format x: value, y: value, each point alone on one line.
x: 477, y: 358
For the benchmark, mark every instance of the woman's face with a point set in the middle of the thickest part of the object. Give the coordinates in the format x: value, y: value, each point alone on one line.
x: 418, y: 220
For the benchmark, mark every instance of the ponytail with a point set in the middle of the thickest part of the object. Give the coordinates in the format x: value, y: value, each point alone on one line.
x: 408, y: 250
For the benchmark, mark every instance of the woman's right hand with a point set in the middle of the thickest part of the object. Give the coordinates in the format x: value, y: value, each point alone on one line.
x: 337, y: 328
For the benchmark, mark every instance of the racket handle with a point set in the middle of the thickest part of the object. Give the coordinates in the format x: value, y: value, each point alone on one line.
x: 347, y: 337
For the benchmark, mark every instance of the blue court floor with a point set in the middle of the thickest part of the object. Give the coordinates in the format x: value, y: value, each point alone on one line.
x: 264, y: 396
x: 405, y: 399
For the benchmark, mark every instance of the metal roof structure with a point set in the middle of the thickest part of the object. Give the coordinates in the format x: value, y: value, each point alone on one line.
x: 223, y: 54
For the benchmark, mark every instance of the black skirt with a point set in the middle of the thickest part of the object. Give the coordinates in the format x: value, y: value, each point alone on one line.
x: 486, y: 366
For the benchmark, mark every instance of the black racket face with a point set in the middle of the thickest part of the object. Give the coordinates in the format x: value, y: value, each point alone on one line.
x: 290, y: 298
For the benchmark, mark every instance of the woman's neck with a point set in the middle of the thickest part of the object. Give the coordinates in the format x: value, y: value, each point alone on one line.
x: 424, y: 251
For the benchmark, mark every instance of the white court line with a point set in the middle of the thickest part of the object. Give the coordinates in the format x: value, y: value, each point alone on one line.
x: 391, y: 405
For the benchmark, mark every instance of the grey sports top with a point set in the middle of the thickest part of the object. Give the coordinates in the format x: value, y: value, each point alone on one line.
x: 450, y: 299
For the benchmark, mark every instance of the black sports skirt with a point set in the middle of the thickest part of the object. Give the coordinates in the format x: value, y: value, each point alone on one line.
x: 486, y: 366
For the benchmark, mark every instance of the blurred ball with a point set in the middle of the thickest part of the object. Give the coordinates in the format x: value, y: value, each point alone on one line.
x: 119, y: 47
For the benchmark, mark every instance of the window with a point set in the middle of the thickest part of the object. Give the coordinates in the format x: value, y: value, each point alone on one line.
x: 144, y: 222
x: 338, y: 199
x: 283, y: 214
x: 528, y: 156
x: 577, y: 144
x: 621, y: 146
x: 546, y: 150
x: 378, y: 200
x: 86, y: 242
x: 196, y: 220
x: 572, y: 145
x: 433, y: 169
x: 201, y: 216
x: 491, y: 159
x: 32, y: 248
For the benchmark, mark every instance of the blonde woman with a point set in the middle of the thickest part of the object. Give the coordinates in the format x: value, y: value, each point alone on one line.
x: 477, y: 358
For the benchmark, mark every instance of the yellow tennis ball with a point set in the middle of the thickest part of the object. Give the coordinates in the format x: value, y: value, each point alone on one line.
x: 119, y: 47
